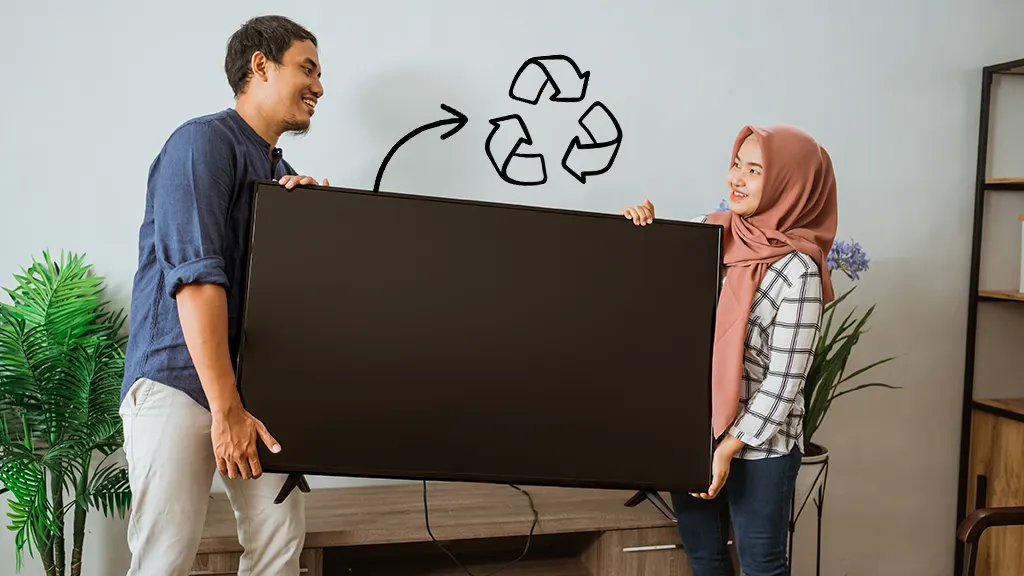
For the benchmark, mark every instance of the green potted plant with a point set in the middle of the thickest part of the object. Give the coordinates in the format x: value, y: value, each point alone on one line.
x: 61, y: 363
x: 829, y: 372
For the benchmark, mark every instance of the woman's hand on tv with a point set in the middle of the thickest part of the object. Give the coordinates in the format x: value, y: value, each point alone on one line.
x: 720, y: 466
x: 641, y: 215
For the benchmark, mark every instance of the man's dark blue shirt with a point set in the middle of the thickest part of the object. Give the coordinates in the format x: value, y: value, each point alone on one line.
x: 196, y: 229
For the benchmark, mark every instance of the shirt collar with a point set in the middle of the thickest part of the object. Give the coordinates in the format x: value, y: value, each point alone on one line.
x: 251, y: 132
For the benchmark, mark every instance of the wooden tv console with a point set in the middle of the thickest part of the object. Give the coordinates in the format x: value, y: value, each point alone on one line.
x: 381, y: 530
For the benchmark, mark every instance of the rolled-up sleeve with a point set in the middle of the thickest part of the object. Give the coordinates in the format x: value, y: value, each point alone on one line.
x: 191, y: 187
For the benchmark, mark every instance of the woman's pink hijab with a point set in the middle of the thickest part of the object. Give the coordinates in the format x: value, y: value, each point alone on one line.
x: 797, y: 211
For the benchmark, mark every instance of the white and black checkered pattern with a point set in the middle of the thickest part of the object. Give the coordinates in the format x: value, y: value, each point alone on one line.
x: 785, y: 320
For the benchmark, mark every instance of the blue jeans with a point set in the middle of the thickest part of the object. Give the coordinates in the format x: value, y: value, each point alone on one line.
x: 757, y: 496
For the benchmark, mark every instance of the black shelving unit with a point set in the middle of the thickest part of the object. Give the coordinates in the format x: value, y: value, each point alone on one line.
x: 983, y: 185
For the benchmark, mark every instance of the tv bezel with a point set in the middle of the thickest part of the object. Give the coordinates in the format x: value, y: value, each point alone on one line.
x: 424, y: 475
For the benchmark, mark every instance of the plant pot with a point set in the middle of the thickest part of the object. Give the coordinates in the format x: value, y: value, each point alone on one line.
x: 811, y: 476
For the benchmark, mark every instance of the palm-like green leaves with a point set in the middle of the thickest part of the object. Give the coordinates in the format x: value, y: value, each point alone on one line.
x: 828, y: 370
x: 61, y: 363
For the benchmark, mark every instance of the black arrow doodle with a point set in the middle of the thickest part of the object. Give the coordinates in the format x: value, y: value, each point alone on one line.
x: 504, y: 141
x: 459, y: 120
x: 597, y: 156
x: 529, y: 82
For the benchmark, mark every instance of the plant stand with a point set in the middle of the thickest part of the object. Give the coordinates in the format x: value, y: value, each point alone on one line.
x: 818, y: 466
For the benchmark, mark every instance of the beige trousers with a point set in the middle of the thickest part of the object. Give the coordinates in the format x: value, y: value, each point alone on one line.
x: 170, y: 469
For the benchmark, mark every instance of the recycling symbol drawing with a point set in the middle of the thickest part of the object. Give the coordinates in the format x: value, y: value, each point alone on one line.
x: 588, y: 154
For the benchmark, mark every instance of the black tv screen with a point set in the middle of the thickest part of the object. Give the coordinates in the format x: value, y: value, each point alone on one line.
x: 411, y: 337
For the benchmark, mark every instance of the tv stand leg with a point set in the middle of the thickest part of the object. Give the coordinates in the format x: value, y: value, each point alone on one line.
x: 290, y: 483
x: 655, y: 499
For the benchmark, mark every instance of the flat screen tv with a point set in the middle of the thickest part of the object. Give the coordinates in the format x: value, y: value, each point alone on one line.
x: 410, y: 337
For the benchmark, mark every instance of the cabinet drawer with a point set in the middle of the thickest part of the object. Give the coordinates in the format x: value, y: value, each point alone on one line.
x: 637, y: 553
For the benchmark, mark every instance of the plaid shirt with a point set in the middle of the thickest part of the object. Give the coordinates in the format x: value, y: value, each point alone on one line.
x: 785, y: 320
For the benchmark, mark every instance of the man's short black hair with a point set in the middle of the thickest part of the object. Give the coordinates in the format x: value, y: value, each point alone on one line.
x: 271, y: 35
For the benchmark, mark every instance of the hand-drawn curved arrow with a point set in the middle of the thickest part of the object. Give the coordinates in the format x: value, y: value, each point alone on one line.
x: 598, y: 155
x: 570, y: 84
x: 502, y: 148
x: 459, y: 120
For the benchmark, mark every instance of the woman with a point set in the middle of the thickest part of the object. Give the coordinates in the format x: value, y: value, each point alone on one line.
x: 779, y: 227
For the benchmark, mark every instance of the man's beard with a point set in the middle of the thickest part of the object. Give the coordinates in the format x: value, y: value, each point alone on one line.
x: 294, y: 126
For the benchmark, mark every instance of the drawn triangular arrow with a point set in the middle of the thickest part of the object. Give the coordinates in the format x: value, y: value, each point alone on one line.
x: 597, y: 156
x: 502, y: 148
x: 564, y: 75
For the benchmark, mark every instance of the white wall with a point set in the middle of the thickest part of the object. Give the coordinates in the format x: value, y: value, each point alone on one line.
x: 91, y: 90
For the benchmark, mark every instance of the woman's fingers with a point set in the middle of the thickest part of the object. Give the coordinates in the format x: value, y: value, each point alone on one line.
x: 640, y: 215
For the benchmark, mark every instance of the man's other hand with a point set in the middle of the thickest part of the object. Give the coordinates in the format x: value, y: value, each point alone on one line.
x: 290, y: 181
x: 233, y: 433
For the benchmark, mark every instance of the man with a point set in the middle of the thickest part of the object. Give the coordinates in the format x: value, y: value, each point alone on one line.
x: 183, y: 418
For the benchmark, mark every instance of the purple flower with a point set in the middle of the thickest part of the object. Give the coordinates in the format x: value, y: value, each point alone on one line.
x: 847, y: 257
x: 723, y: 206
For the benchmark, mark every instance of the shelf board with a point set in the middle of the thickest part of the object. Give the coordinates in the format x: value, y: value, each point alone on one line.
x: 1014, y: 183
x: 1010, y: 67
x: 1001, y: 295
x: 1007, y: 407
